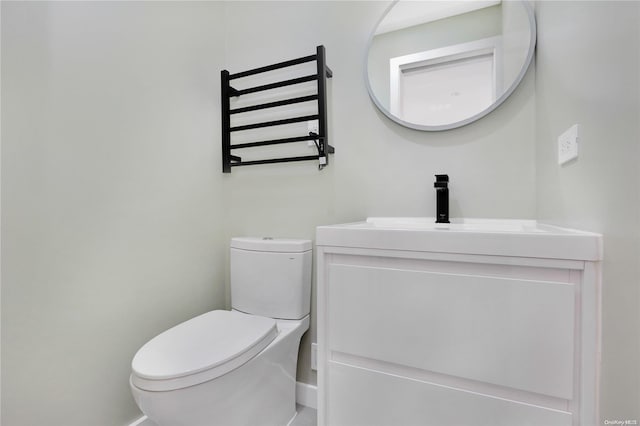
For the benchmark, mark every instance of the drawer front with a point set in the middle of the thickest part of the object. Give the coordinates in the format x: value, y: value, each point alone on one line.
x: 360, y: 397
x: 509, y: 332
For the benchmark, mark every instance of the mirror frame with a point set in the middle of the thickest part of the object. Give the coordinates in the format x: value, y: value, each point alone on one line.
x: 525, y: 67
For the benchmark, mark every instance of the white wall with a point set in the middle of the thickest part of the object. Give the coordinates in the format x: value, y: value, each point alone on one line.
x: 116, y: 215
x: 516, y: 39
x: 587, y: 72
x: 111, y: 214
x: 0, y: 216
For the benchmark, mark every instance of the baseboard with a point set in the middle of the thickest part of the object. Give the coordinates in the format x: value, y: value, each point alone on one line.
x: 143, y: 421
x: 306, y: 395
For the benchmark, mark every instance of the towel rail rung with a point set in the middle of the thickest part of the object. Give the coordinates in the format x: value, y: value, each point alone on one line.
x: 275, y: 141
x: 274, y: 104
x: 277, y: 160
x: 273, y: 67
x: 274, y: 85
x: 274, y: 123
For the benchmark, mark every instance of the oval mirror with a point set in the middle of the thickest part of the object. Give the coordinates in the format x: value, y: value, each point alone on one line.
x: 440, y: 64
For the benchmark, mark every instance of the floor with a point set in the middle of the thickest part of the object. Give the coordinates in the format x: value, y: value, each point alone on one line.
x: 306, y: 416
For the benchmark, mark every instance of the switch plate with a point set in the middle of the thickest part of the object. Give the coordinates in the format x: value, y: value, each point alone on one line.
x: 313, y: 127
x: 568, y: 145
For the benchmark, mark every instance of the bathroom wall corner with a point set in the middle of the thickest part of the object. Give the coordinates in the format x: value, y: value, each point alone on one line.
x: 587, y: 68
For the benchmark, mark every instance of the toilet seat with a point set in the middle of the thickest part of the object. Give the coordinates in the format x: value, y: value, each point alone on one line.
x: 201, y: 349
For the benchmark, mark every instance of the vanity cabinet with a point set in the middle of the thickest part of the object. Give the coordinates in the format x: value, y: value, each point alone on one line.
x: 425, y: 326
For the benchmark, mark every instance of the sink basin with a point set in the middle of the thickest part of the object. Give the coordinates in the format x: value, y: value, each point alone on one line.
x: 475, y: 225
x: 504, y: 237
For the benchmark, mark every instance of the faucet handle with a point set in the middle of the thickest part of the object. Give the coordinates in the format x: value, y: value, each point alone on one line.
x: 441, y: 181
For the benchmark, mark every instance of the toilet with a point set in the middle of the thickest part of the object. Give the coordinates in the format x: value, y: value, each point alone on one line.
x: 233, y: 367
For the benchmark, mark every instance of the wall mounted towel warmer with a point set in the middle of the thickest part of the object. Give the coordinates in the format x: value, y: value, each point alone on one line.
x: 320, y: 139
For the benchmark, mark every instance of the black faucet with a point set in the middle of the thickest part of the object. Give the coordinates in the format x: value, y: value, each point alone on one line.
x: 442, y: 198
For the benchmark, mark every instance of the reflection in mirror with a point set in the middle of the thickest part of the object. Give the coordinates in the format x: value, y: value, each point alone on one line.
x: 441, y: 64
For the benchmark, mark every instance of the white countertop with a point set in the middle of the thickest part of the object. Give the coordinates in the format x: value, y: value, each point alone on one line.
x: 503, y: 237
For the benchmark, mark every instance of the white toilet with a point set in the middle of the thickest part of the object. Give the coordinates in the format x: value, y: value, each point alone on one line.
x: 233, y: 367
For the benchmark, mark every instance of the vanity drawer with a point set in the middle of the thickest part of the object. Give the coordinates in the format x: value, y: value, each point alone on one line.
x: 361, y: 397
x: 509, y: 332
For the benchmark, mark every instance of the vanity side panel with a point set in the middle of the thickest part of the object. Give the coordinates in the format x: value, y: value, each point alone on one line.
x: 323, y: 261
x: 590, y: 344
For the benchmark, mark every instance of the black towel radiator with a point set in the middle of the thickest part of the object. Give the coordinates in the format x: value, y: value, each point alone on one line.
x: 320, y: 139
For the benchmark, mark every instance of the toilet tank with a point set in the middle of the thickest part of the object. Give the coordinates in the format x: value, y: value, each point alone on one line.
x: 271, y: 277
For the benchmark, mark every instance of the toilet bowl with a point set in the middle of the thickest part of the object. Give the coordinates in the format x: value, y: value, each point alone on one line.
x: 233, y: 367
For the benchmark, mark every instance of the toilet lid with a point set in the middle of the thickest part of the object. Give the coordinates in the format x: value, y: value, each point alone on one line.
x: 201, y: 349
